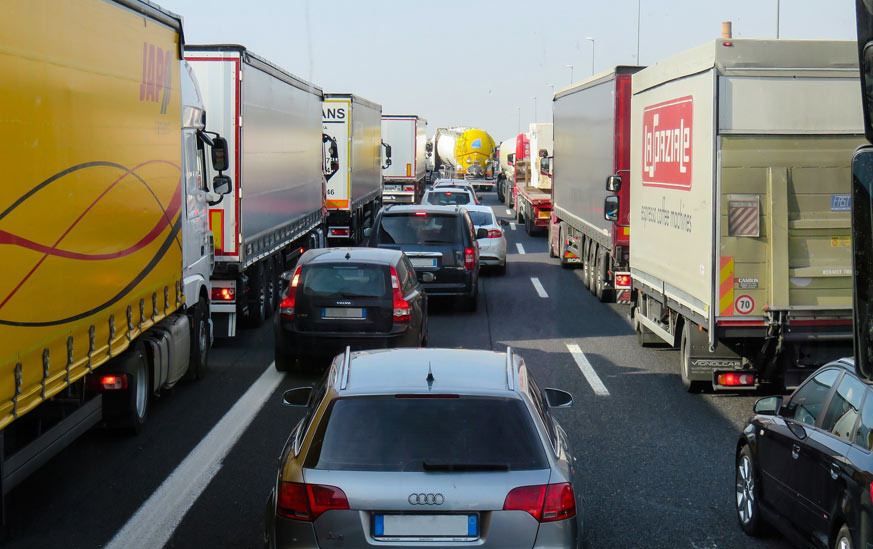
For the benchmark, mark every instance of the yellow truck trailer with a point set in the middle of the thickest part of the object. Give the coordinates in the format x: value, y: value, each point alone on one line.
x: 104, y: 290
x: 740, y: 211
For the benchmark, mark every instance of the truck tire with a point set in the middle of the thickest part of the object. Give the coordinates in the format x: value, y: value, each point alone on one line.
x: 258, y: 299
x: 199, y: 340
x: 592, y: 267
x: 529, y: 226
x: 499, y: 188
x: 552, y: 240
x: 128, y: 410
x: 519, y: 213
x: 585, y: 266
x: 601, y: 274
x: 692, y: 386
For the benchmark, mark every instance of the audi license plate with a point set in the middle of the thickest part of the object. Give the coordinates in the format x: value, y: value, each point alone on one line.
x: 426, y: 527
x: 423, y: 261
x: 344, y: 312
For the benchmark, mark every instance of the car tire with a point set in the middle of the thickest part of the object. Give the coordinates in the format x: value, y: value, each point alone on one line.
x: 199, y: 341
x: 692, y: 386
x: 843, y: 539
x: 747, y: 495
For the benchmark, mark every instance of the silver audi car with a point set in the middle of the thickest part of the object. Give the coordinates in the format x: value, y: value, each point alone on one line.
x: 427, y: 448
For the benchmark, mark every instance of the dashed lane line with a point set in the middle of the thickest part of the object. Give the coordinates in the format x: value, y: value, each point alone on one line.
x: 587, y: 370
x: 155, y: 521
x: 508, y: 211
x: 512, y: 225
x: 520, y: 247
x: 538, y: 287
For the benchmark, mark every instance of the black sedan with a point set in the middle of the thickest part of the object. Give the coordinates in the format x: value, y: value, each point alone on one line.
x: 804, y: 464
x: 358, y: 297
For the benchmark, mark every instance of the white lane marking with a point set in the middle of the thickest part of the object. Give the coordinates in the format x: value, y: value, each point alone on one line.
x: 512, y: 225
x: 538, y: 287
x: 520, y: 247
x: 587, y: 370
x: 157, y: 518
x: 508, y: 211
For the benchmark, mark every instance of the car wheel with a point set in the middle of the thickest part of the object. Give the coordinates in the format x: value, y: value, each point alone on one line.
x: 199, y: 341
x: 843, y: 539
x: 692, y: 386
x: 747, y: 494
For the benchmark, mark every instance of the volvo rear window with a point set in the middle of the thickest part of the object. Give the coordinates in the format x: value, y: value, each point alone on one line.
x: 388, y: 433
x: 448, y: 198
x: 423, y: 228
x: 346, y: 280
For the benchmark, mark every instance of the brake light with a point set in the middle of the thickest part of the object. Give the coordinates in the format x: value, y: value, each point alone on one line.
x: 223, y: 294
x: 334, y: 231
x: 308, y: 501
x: 546, y: 503
x: 109, y: 382
x: 622, y: 281
x: 409, y: 188
x: 401, y: 306
x: 494, y: 233
x: 736, y: 380
x: 286, y: 307
x: 421, y: 214
x: 469, y: 259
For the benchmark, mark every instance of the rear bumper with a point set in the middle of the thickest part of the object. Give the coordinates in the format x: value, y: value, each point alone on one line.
x: 292, y: 342
x: 398, y: 197
x: 449, y: 289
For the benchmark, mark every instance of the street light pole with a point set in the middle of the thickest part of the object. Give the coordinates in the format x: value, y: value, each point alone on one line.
x: 571, y: 73
x: 535, y: 108
x: 638, y: 31
x: 777, y: 19
x: 519, y: 118
x: 592, y: 54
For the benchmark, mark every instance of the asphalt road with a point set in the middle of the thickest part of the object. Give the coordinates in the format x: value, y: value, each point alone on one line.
x: 657, y: 462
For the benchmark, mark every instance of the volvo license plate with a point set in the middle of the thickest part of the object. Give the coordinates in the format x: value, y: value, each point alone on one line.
x: 344, y: 312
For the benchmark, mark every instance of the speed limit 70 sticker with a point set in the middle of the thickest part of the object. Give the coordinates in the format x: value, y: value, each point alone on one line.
x: 744, y: 304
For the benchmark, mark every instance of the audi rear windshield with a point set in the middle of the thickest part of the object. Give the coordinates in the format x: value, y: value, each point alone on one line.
x: 388, y: 433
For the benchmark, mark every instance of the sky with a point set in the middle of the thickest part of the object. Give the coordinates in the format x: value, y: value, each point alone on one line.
x: 485, y: 64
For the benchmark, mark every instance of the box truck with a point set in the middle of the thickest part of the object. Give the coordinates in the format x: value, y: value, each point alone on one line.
x: 592, y: 143
x: 354, y: 189
x: 405, y: 139
x: 104, y: 291
x: 740, y: 248
x: 278, y: 157
x: 533, y: 183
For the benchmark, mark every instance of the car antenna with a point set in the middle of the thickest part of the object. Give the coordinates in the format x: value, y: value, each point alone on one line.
x: 429, y: 377
x: 348, y: 255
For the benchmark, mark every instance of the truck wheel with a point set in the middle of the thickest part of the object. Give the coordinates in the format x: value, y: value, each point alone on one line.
x: 258, y: 299
x: 602, y: 274
x: 844, y: 539
x: 585, y: 266
x: 129, y: 409
x: 199, y: 340
x: 529, y: 227
x: 277, y: 284
x: 592, y: 267
x: 692, y: 386
x: 552, y: 240
x: 519, y: 214
x: 269, y: 287
x: 499, y: 187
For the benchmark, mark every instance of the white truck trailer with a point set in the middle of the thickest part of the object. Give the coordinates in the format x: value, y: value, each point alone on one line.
x: 354, y: 190
x: 104, y: 290
x: 740, y: 249
x: 272, y: 121
x: 403, y: 179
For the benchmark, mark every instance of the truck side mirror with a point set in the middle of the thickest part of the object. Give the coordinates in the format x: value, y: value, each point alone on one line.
x: 219, y: 154
x: 610, y: 208
x: 387, y: 155
x: 613, y: 183
x: 428, y: 147
x: 510, y: 159
x: 543, y: 153
x: 221, y: 184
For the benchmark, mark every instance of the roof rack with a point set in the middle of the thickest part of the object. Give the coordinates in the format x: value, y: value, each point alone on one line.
x: 347, y: 366
x: 510, y: 381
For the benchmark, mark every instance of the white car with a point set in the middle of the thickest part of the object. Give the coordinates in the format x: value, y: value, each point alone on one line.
x: 492, y: 249
x: 457, y: 183
x: 449, y: 196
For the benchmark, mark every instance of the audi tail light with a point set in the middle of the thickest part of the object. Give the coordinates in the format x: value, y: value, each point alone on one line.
x: 307, y: 502
x: 544, y: 502
x: 469, y: 259
x: 402, y: 309
x: 286, y: 307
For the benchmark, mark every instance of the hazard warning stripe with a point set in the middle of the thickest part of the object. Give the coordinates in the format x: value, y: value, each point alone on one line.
x: 726, y: 287
x: 341, y: 204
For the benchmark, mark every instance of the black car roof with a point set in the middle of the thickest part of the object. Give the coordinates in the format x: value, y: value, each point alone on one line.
x: 384, y: 256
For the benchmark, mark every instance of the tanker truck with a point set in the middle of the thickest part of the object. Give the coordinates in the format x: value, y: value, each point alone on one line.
x: 465, y: 153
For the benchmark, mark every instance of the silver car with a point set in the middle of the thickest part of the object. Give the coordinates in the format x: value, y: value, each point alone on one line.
x: 427, y: 447
x: 492, y: 248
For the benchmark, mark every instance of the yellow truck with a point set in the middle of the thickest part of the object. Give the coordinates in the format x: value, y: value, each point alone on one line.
x: 740, y: 210
x: 104, y: 291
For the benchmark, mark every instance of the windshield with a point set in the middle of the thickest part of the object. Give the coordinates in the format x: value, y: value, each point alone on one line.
x: 345, y: 280
x: 481, y: 218
x: 418, y: 229
x: 417, y: 434
x: 448, y: 198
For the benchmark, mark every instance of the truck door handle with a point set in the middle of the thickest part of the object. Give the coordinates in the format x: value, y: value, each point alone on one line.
x: 795, y: 451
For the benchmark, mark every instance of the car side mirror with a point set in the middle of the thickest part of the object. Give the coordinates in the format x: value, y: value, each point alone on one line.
x: 219, y: 154
x: 556, y: 398
x: 298, y: 396
x: 481, y: 232
x: 610, y: 208
x: 613, y: 183
x: 368, y: 231
x: 221, y: 184
x: 769, y: 406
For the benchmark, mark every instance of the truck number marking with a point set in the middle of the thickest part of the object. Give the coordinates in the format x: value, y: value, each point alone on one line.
x: 667, y: 142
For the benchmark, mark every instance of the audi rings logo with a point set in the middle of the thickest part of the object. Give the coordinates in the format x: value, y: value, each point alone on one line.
x: 426, y: 499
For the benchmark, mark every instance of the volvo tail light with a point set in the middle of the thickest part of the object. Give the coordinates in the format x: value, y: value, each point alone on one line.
x: 401, y: 306
x: 286, y: 307
x: 546, y: 503
x: 308, y: 501
x: 469, y: 259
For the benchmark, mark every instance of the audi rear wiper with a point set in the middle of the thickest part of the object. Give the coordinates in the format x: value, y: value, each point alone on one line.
x: 436, y: 466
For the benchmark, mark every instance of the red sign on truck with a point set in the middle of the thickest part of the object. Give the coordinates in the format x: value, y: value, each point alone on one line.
x: 667, y: 144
